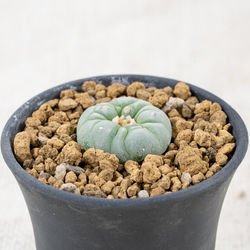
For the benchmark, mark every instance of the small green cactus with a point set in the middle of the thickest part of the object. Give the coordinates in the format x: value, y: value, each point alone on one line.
x: 127, y: 127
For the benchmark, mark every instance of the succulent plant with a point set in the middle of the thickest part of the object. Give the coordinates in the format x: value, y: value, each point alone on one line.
x: 127, y: 127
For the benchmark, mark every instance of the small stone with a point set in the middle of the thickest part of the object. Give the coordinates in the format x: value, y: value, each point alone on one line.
x: 182, y: 90
x: 93, y: 190
x: 168, y: 90
x: 41, y: 115
x: 220, y: 117
x: 28, y: 163
x: 173, y: 103
x: 60, y: 171
x: 190, y: 161
x: 55, y: 143
x: 43, y: 140
x: 204, y: 106
x: 47, y: 151
x: 202, y: 138
x: 32, y: 171
x: 170, y: 155
x: 115, y: 90
x: 101, y: 100
x: 159, y: 99
x: 90, y: 87
x: 186, y: 177
x: 143, y: 194
x: 107, y: 187
x: 75, y: 169
x: 164, y: 183
x: 227, y: 148
x: 174, y: 113
x: 110, y: 163
x: 43, y: 180
x: 32, y: 132
x: 165, y: 169
x: 71, y: 154
x: 214, y: 108
x: 227, y: 137
x: 198, y: 178
x: 182, y: 124
x: 65, y: 129
x: 32, y: 122
x: 185, y: 185
x: 123, y: 188
x: 84, y: 99
x: 157, y: 159
x: 44, y: 175
x: 100, y: 94
x: 39, y: 167
x: 221, y: 159
x: 45, y: 131
x: 51, y: 180
x: 186, y: 111
x: 59, y: 117
x: 50, y: 166
x: 58, y: 184
x: 47, y: 108
x: 70, y: 177
x: 69, y: 187
x: 150, y: 172
x: 67, y: 93
x: 211, y: 153
x: 22, y: 146
x: 67, y: 104
x: 176, y: 184
x: 157, y: 191
x: 191, y: 102
x: 106, y: 175
x: 133, y: 190
x: 227, y: 127
x: 143, y: 94
x: 209, y: 174
x: 185, y: 135
x: 134, y: 87
x: 215, y: 168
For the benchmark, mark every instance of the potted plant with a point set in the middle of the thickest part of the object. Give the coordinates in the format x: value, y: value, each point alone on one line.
x: 186, y: 219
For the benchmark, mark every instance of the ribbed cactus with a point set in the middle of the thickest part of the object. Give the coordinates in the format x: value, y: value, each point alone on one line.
x: 127, y: 127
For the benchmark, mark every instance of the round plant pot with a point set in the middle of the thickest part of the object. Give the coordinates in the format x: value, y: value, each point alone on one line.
x: 185, y: 219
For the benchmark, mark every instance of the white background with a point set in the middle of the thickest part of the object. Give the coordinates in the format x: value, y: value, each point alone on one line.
x: 44, y: 43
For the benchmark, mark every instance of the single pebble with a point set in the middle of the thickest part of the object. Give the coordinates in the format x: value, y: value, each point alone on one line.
x: 143, y: 194
x: 75, y: 169
x: 70, y: 177
x: 44, y: 175
x: 60, y: 171
x: 92, y: 98
x: 186, y: 177
x: 42, y: 139
x: 173, y: 103
x: 22, y: 146
x: 67, y: 104
x: 69, y: 187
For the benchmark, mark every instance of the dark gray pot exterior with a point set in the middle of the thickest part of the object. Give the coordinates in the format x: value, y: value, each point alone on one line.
x: 184, y: 220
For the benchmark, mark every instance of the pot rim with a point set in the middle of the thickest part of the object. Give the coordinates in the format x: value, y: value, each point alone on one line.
x: 47, y: 190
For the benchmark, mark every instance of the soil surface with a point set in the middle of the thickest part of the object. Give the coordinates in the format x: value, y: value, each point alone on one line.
x: 201, y: 144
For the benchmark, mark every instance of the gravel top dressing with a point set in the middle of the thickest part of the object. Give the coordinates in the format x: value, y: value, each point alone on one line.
x: 134, y: 141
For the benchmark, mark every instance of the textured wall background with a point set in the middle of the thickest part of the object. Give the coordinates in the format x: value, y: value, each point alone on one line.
x: 44, y: 43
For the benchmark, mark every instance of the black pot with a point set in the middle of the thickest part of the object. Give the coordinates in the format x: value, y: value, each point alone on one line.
x: 183, y: 220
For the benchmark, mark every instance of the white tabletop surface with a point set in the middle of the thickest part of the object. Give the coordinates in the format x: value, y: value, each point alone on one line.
x: 44, y: 43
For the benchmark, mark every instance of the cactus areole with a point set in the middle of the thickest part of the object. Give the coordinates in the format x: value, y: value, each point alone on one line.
x: 127, y: 127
